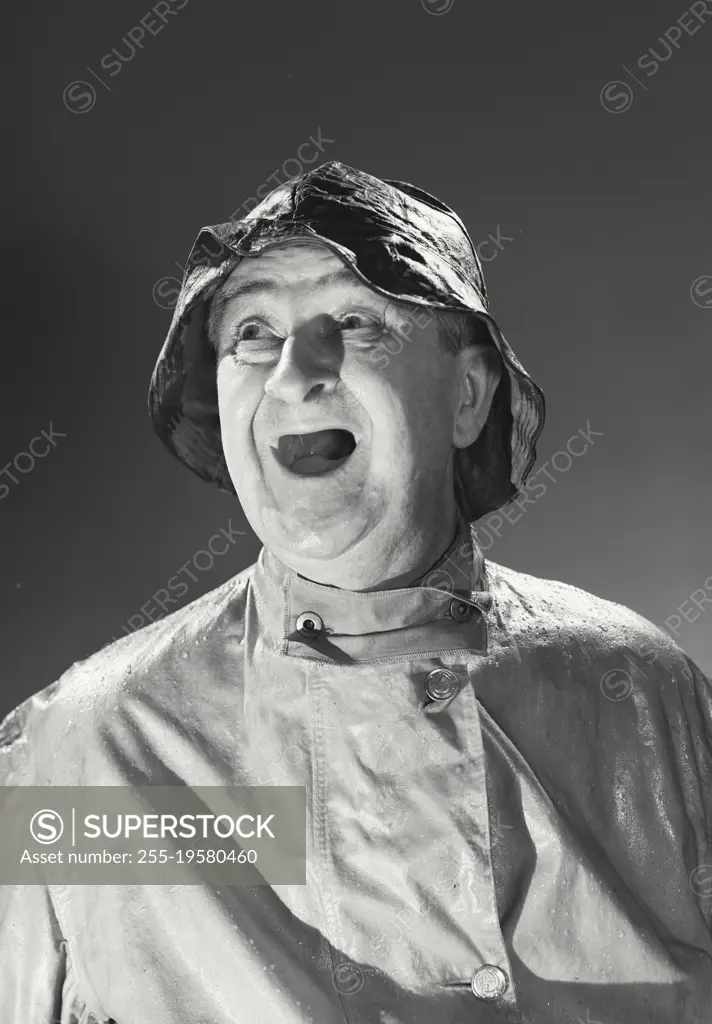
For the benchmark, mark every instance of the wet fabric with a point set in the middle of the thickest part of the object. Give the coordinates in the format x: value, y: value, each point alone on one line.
x: 548, y: 820
x: 403, y: 243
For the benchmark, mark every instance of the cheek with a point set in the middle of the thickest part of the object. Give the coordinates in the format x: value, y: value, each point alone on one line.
x: 240, y: 390
x: 372, y: 385
x: 410, y: 402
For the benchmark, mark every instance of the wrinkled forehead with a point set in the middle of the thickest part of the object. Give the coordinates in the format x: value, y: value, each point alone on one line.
x: 293, y: 268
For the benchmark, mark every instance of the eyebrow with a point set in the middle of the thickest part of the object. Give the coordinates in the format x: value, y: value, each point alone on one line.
x: 342, y: 276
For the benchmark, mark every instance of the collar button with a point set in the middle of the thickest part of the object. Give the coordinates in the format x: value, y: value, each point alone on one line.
x: 460, y: 611
x: 309, y: 625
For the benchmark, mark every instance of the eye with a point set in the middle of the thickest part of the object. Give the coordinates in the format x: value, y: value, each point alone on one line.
x: 357, y: 320
x: 254, y: 330
x: 352, y: 321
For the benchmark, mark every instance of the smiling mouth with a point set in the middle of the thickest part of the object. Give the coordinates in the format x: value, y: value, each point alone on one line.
x: 321, y: 451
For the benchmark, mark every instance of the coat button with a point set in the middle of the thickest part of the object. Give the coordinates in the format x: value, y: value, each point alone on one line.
x: 441, y: 684
x: 489, y: 982
x: 309, y: 625
x: 460, y: 611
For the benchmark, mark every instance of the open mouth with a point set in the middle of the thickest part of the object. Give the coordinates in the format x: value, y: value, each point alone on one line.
x: 321, y: 451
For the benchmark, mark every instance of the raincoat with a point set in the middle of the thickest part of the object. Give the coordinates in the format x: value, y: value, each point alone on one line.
x: 528, y: 847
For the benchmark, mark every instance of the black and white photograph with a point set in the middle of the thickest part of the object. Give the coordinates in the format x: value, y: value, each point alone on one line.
x: 356, y: 514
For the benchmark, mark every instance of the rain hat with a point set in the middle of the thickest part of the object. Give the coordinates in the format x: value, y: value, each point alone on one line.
x: 400, y: 241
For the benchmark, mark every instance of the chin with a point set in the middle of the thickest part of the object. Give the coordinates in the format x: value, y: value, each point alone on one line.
x: 312, y: 540
x: 308, y: 538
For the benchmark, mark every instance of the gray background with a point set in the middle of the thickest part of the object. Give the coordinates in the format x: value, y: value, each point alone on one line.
x: 495, y: 108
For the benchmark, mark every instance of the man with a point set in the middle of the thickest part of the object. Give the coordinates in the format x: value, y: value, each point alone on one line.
x: 496, y: 831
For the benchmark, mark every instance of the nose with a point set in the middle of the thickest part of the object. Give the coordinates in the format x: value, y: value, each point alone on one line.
x: 309, y: 362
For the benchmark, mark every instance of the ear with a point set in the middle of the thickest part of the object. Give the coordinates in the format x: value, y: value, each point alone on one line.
x: 479, y: 370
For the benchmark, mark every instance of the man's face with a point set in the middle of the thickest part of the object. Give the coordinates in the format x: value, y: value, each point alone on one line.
x: 336, y: 448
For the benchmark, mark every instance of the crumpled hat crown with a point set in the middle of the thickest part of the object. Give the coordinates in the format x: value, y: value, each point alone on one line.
x: 400, y: 241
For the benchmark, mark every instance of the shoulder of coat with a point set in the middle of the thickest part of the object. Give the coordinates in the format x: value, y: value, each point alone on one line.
x: 547, y: 613
x: 87, y: 693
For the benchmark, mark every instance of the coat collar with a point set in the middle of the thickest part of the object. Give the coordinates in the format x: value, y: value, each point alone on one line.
x: 303, y: 617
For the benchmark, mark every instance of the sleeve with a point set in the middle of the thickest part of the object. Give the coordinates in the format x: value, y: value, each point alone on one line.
x: 699, y: 713
x: 32, y: 957
x: 32, y: 950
